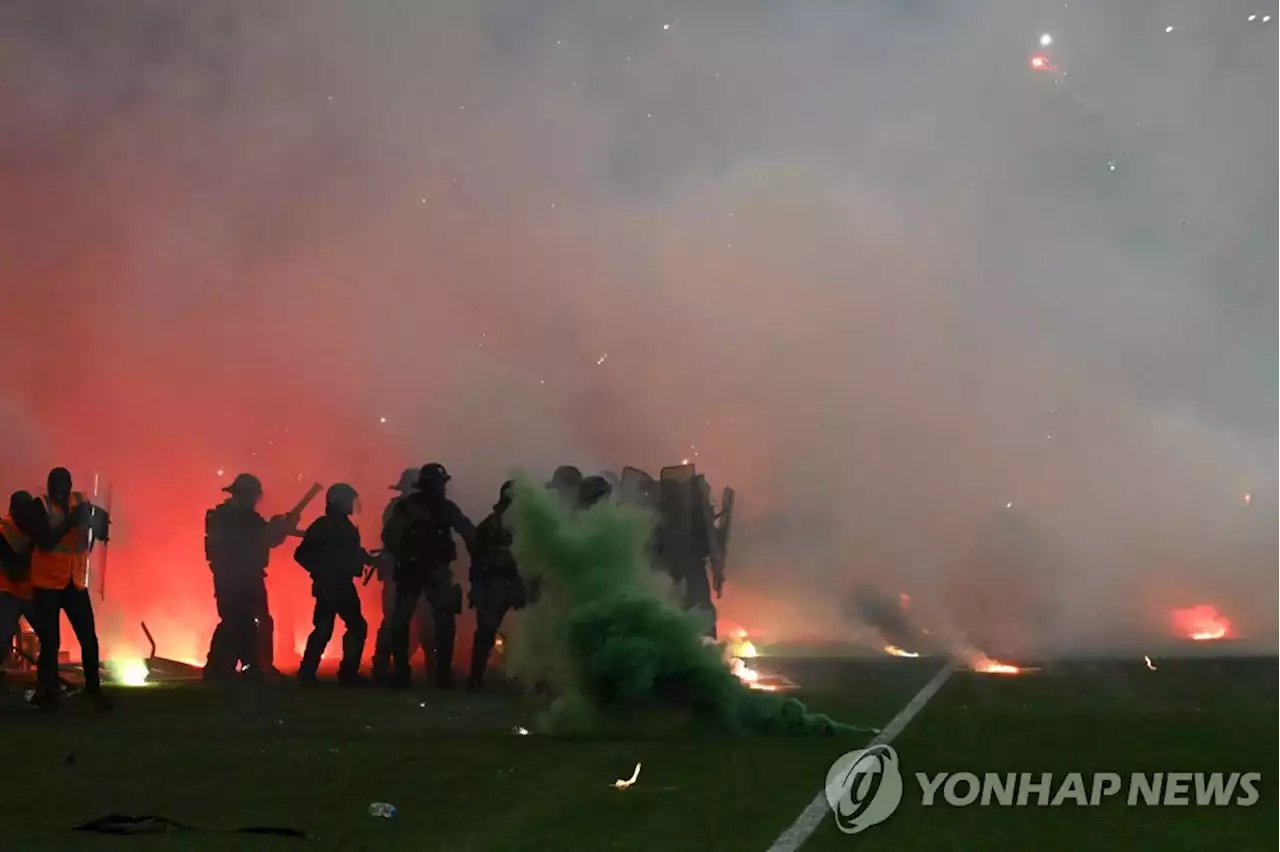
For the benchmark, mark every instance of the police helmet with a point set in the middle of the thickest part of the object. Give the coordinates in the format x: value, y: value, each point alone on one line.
x: 433, y: 472
x: 408, y: 481
x: 566, y: 476
x: 341, y: 495
x: 246, y: 484
x: 593, y: 490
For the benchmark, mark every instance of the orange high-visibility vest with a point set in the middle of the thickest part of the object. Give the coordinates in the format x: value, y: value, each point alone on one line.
x: 19, y: 543
x: 68, y: 562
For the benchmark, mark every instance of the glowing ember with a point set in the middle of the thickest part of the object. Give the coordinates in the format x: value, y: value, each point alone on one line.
x: 1200, y: 623
x: 1039, y: 62
x: 760, y: 681
x: 1150, y: 664
x: 986, y: 665
x: 743, y: 672
x: 129, y: 671
x: 895, y: 651
x: 620, y: 784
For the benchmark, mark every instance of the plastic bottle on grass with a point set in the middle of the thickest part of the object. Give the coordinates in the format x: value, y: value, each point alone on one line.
x: 382, y: 810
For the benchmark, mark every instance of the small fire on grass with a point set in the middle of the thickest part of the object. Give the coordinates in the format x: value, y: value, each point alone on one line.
x: 1201, y: 623
x: 985, y: 665
x: 760, y: 681
x: 128, y: 671
x: 895, y: 651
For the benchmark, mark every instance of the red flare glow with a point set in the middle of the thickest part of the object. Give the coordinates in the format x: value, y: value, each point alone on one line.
x: 1200, y: 623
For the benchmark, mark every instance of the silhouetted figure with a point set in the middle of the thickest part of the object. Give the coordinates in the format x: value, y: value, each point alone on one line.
x: 566, y: 483
x: 496, y: 585
x: 419, y: 536
x: 593, y: 490
x: 332, y: 554
x: 18, y: 540
x: 60, y: 577
x: 418, y: 635
x: 682, y: 545
x: 237, y: 544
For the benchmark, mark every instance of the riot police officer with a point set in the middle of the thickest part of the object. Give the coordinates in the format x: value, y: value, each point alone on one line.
x: 419, y: 536
x: 237, y: 544
x: 593, y: 490
x: 496, y: 585
x: 332, y: 554
x: 566, y: 483
x: 418, y: 636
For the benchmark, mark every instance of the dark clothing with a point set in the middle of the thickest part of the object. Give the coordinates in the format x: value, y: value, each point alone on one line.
x: 245, y: 631
x: 496, y: 588
x: 13, y: 608
x: 49, y: 605
x: 336, y: 600
x: 418, y: 534
x: 238, y: 541
x: 237, y: 544
x: 331, y: 550
x: 16, y: 566
x: 444, y: 597
x: 332, y: 554
x: 419, y: 635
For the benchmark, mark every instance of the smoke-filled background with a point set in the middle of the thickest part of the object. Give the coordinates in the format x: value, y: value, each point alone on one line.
x: 865, y: 262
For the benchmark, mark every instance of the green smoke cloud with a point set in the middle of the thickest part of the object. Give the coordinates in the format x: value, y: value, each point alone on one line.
x: 620, y: 656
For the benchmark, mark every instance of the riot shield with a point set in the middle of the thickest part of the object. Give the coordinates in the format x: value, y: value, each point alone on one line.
x: 676, y: 500
x: 637, y: 489
x: 705, y: 519
x: 726, y: 521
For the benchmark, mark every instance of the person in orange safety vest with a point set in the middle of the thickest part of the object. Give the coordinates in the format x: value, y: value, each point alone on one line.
x: 24, y: 529
x: 60, y: 577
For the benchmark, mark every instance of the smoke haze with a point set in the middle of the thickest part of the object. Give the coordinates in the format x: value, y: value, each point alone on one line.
x: 858, y: 261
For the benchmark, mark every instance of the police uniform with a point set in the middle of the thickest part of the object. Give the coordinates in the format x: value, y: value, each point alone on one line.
x: 419, y: 536
x: 496, y: 585
x: 332, y: 554
x: 418, y: 634
x: 237, y: 545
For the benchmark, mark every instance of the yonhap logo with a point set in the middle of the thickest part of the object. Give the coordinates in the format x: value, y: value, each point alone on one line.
x: 864, y: 788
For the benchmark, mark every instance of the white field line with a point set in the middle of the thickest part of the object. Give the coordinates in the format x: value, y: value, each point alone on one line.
x: 816, y: 811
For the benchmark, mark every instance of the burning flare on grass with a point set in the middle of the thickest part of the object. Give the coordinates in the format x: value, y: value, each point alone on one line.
x: 737, y: 644
x: 621, y: 784
x: 984, y: 664
x: 895, y: 651
x: 1150, y: 664
x: 1201, y: 623
x: 128, y: 671
x: 744, y: 673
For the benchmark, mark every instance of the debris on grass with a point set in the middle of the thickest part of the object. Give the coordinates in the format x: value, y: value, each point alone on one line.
x: 622, y: 784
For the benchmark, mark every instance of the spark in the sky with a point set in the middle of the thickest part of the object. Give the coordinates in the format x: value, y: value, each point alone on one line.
x: 1045, y: 39
x: 1040, y: 62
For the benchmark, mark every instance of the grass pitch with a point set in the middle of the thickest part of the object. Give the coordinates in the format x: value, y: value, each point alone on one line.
x: 461, y: 779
